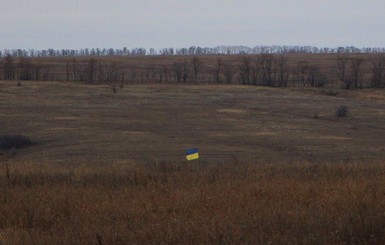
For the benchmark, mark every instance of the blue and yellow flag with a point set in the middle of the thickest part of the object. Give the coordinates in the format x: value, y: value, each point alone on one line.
x: 192, y: 154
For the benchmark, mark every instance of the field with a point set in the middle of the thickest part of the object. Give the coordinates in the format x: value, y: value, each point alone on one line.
x: 108, y: 166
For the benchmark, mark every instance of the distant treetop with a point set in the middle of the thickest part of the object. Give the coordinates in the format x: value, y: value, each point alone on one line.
x: 193, y: 50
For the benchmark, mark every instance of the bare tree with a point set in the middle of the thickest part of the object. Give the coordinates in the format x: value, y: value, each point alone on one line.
x: 313, y: 76
x: 301, y: 72
x: 356, y: 75
x: 47, y: 73
x: 228, y: 72
x: 166, y: 73
x: 281, y: 71
x: 109, y: 72
x: 90, y: 70
x: 196, y: 67
x: 256, y: 72
x: 150, y: 72
x: 342, y: 73
x: 37, y: 71
x: 68, y: 70
x: 75, y: 69
x: 25, y: 68
x: 159, y: 75
x: 331, y: 75
x: 217, y: 70
x: 177, y: 68
x: 9, y: 68
x: 266, y: 64
x: 185, y: 71
x: 378, y: 72
x: 244, y: 70
x: 1, y: 69
x: 133, y: 74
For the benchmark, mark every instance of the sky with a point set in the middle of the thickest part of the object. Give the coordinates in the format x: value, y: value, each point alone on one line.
x: 75, y: 24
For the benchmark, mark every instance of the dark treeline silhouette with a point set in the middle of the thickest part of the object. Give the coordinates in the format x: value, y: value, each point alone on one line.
x: 345, y: 70
x: 193, y: 50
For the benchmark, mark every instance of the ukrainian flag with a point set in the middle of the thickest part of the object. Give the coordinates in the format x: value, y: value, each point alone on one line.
x: 192, y: 154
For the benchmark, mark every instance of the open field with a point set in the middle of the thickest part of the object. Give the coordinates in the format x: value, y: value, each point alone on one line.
x: 277, y: 165
x: 75, y: 123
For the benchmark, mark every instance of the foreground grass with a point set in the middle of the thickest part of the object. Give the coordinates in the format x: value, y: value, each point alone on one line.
x: 123, y: 203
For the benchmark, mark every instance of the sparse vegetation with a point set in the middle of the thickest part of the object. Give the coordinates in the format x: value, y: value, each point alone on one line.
x: 342, y: 111
x: 14, y: 141
x: 109, y: 167
x: 330, y: 92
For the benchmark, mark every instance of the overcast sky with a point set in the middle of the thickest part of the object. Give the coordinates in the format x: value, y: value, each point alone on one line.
x: 74, y: 24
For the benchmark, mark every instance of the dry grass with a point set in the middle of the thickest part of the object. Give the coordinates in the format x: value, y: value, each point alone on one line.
x: 108, y: 168
x: 75, y: 123
x: 231, y: 203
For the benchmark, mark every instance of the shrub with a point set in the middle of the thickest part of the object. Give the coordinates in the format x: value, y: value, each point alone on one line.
x: 14, y: 141
x: 342, y: 111
x: 330, y: 92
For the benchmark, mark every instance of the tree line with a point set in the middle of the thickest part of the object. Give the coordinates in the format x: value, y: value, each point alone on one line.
x: 345, y: 70
x: 193, y: 50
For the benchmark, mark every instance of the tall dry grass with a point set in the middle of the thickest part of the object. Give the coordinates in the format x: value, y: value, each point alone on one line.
x: 184, y: 203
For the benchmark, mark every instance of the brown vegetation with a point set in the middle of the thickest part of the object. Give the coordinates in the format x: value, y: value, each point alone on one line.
x: 277, y: 166
x: 184, y: 203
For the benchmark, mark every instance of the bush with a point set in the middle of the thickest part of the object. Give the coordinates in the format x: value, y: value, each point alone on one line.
x: 342, y: 111
x: 330, y: 92
x: 14, y: 141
